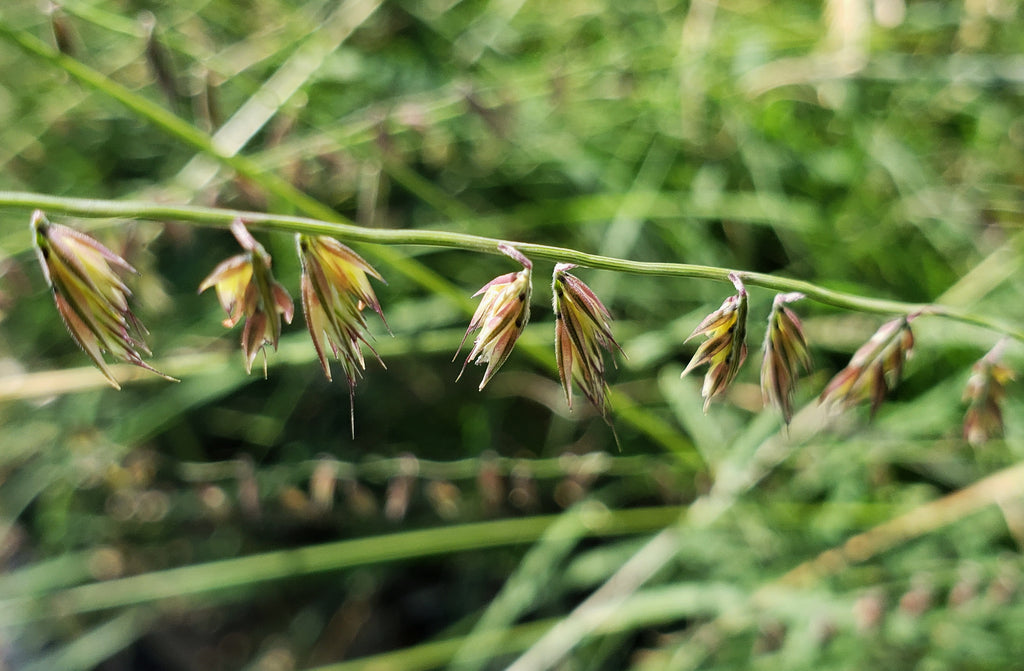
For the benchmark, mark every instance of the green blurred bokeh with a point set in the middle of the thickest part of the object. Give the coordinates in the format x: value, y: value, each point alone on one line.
x: 873, y: 147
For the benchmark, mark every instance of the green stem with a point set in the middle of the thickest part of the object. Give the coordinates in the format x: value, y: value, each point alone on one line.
x: 215, y: 577
x: 654, y: 606
x: 593, y: 464
x: 167, y: 121
x: 351, y: 233
x: 435, y: 654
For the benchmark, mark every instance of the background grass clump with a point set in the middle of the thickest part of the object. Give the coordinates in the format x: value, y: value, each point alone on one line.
x: 229, y: 522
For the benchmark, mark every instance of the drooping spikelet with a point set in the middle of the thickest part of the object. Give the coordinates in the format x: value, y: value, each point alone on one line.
x: 985, y: 391
x: 725, y: 348
x: 335, y: 291
x: 582, y: 330
x: 785, y: 353
x: 875, y: 369
x: 91, y: 299
x: 246, y: 288
x: 501, y: 316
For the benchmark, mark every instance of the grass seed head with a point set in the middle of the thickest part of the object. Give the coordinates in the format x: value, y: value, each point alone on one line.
x: 501, y: 316
x: 875, y: 369
x: 725, y: 349
x: 335, y: 291
x: 246, y: 289
x: 91, y: 298
x: 582, y: 330
x: 984, y: 394
x: 785, y: 354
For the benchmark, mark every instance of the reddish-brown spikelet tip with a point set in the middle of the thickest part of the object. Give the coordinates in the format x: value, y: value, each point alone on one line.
x: 875, y: 368
x: 984, y: 394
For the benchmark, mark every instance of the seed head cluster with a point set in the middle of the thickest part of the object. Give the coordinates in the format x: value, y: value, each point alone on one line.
x: 92, y: 300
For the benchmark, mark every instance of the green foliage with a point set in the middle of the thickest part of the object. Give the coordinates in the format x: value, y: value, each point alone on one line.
x: 230, y: 522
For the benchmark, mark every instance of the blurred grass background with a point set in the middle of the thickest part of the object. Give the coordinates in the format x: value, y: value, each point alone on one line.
x: 229, y: 522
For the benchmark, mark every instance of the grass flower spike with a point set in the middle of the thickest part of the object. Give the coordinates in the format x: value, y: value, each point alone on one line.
x: 875, y: 368
x: 335, y: 291
x: 785, y: 353
x: 91, y: 299
x: 985, y: 391
x: 246, y: 288
x: 725, y: 348
x: 501, y: 316
x: 582, y: 330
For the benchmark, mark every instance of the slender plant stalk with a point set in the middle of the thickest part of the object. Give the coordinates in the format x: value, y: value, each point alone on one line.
x: 351, y: 233
x: 166, y: 121
x: 214, y: 577
x: 592, y: 464
x: 435, y: 654
x: 343, y: 228
x: 181, y: 130
x: 651, y: 607
x: 91, y: 648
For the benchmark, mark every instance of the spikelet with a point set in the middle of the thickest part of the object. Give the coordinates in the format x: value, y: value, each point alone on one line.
x: 335, y: 291
x: 984, y: 394
x: 501, y: 316
x: 91, y: 299
x: 246, y: 289
x: 582, y: 330
x: 875, y: 369
x: 725, y: 348
x: 785, y: 354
